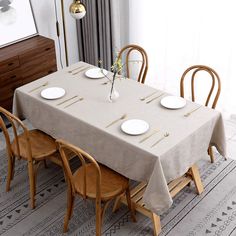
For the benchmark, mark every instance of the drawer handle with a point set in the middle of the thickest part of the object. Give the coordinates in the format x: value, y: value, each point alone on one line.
x: 13, y: 76
x: 47, y: 49
x: 11, y: 63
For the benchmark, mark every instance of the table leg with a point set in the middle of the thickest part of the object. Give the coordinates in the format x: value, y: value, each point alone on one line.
x: 196, y: 178
x: 174, y: 186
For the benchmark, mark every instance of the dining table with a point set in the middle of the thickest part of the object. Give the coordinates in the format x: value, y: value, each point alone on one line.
x: 84, y: 116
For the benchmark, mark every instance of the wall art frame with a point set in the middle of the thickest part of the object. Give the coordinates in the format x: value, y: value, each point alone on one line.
x: 17, y: 21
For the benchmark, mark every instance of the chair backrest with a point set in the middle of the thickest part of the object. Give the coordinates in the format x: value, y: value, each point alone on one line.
x: 85, y: 158
x: 16, y: 123
x: 126, y: 52
x: 192, y: 71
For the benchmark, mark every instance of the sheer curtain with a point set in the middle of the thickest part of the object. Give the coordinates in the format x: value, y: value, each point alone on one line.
x: 178, y: 34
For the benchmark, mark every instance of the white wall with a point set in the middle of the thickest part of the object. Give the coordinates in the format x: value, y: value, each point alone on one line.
x: 44, y: 12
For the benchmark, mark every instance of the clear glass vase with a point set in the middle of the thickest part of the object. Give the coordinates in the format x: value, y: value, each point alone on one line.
x: 112, y: 97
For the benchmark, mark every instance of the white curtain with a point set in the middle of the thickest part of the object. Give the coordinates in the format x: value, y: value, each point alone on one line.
x: 178, y: 34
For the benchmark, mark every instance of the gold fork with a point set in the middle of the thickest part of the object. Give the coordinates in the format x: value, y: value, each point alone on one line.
x: 148, y: 136
x: 113, y: 122
x: 43, y: 85
x: 159, y: 140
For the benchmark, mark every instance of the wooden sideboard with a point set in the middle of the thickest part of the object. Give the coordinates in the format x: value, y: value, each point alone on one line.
x: 24, y: 62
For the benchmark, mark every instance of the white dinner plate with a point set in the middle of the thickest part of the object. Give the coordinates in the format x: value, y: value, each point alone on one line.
x: 95, y: 73
x: 53, y: 93
x: 135, y: 127
x: 173, y: 102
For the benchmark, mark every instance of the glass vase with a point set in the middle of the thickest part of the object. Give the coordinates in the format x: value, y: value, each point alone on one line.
x: 112, y: 97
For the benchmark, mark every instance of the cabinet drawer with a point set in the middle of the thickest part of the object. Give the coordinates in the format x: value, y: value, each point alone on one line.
x: 10, y: 77
x: 7, y: 92
x: 39, y: 52
x: 38, y: 65
x: 7, y: 104
x: 10, y: 64
x: 39, y: 74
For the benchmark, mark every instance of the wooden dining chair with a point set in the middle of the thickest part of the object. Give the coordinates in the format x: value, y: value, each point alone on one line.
x: 33, y: 146
x: 126, y: 53
x: 94, y: 181
x: 191, y: 73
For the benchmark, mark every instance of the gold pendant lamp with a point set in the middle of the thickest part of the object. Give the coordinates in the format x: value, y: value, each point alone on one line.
x: 77, y: 9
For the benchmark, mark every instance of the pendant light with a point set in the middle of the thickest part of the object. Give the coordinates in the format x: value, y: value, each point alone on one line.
x: 77, y: 9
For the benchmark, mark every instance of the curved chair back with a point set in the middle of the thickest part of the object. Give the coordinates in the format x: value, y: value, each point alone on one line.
x: 85, y: 158
x: 192, y: 71
x: 16, y: 124
x: 126, y: 52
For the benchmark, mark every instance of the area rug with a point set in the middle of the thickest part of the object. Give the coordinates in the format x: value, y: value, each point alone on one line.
x: 211, y: 213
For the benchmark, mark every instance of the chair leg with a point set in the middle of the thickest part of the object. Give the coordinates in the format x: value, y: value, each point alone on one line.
x: 10, y: 170
x: 130, y: 205
x: 70, y: 204
x: 156, y: 224
x: 32, y: 183
x: 45, y: 164
x: 98, y: 218
x: 13, y: 167
x: 103, y: 210
x: 117, y: 203
x: 211, y: 154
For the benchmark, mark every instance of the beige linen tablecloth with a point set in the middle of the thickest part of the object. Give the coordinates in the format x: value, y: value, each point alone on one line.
x: 84, y: 122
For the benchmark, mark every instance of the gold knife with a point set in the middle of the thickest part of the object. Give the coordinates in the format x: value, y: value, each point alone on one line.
x: 189, y: 113
x: 32, y: 90
x: 67, y: 100
x: 148, y: 136
x: 70, y: 71
x: 148, y: 96
x: 160, y: 139
x: 155, y: 98
x: 80, y: 99
x: 79, y: 71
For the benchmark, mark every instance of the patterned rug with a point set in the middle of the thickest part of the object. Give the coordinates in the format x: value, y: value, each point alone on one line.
x: 211, y: 213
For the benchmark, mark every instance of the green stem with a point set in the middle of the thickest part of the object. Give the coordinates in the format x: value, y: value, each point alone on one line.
x: 112, y: 85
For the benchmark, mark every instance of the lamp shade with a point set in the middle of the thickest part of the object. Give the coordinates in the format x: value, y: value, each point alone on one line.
x: 77, y: 9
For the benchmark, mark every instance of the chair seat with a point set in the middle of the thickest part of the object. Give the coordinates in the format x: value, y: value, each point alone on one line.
x: 112, y: 183
x: 42, y: 145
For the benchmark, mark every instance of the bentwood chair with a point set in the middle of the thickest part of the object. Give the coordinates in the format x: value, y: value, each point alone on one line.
x: 94, y: 181
x: 33, y: 146
x: 126, y: 52
x: 192, y: 72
